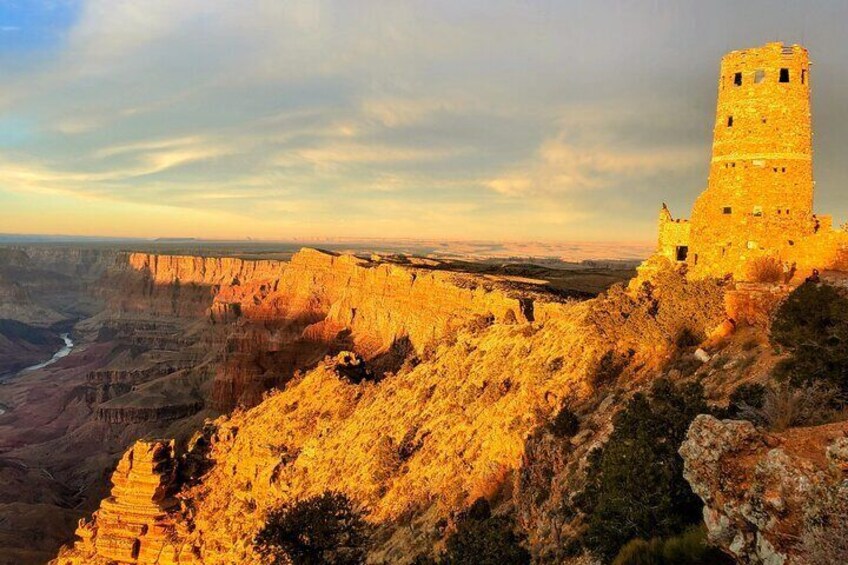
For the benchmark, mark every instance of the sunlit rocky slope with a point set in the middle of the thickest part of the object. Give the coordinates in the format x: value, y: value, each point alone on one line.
x: 464, y: 371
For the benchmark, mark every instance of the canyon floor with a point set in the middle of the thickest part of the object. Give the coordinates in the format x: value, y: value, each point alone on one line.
x: 160, y: 349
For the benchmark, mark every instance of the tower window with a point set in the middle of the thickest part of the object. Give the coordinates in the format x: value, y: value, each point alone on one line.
x: 759, y: 75
x: 758, y: 211
x: 682, y: 252
x: 727, y: 210
x: 803, y: 76
x: 730, y: 121
x: 784, y: 75
x: 737, y: 79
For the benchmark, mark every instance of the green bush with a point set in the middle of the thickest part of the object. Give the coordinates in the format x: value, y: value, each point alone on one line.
x: 491, y: 541
x: 321, y: 529
x: 812, y: 323
x: 689, y: 548
x: 636, y: 487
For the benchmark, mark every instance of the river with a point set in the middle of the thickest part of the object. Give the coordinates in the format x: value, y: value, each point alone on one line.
x: 64, y: 352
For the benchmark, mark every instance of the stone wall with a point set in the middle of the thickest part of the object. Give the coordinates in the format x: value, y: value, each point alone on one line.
x: 760, y: 194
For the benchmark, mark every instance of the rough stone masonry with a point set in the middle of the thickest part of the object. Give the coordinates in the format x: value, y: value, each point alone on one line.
x: 759, y: 198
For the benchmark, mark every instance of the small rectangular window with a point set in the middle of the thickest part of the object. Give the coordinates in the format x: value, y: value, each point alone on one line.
x: 759, y: 75
x: 726, y: 210
x: 784, y: 75
x: 737, y: 79
x: 682, y: 252
x: 758, y: 211
x: 803, y: 76
x: 730, y: 121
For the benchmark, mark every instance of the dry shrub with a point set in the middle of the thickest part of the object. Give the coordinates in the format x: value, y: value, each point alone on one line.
x: 765, y: 270
x: 786, y: 407
x: 825, y: 537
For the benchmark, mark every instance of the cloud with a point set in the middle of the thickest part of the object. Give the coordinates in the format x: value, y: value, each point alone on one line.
x: 487, y: 120
x: 560, y: 167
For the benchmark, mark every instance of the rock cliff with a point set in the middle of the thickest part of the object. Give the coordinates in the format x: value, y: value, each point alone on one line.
x: 287, y: 316
x: 134, y: 524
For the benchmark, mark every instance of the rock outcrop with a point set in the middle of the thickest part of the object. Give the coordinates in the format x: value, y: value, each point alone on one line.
x: 760, y: 489
x: 135, y: 524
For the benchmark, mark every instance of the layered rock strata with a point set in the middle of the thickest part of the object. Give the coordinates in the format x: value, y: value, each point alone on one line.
x: 135, y: 525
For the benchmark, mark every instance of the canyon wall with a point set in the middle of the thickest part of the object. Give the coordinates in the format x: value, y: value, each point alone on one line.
x: 282, y: 317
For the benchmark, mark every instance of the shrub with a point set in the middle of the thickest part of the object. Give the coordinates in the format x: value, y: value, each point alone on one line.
x: 812, y: 323
x: 491, y: 541
x: 321, y: 529
x: 608, y: 368
x: 689, y: 548
x: 565, y: 424
x: 636, y: 486
x: 765, y: 270
x: 785, y: 407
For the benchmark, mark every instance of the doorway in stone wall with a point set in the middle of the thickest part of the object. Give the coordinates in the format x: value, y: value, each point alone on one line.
x: 682, y: 252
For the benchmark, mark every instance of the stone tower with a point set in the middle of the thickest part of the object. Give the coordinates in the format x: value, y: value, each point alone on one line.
x: 759, y: 200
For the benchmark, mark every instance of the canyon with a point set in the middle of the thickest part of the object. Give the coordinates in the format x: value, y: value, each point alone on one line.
x: 202, y: 392
x: 163, y: 343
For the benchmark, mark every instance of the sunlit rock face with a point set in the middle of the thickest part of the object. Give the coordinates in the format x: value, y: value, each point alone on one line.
x: 758, y: 488
x: 287, y: 316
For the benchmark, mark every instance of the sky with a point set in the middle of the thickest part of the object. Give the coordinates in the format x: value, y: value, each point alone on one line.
x: 458, y: 119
